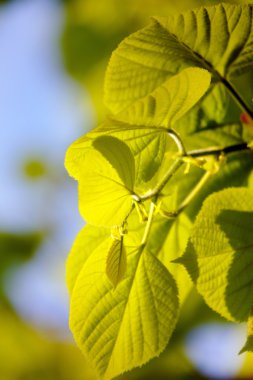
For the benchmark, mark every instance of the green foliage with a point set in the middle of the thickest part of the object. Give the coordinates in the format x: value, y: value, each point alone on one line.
x: 217, y: 38
x: 219, y: 252
x: 105, y: 319
x: 171, y: 141
x: 170, y: 101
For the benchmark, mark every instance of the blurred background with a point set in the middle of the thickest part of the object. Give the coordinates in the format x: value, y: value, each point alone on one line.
x: 53, y: 56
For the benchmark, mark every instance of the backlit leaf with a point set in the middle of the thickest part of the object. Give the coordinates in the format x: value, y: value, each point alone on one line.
x: 147, y: 146
x: 119, y: 329
x: 170, y: 101
x: 87, y: 240
x: 218, y: 38
x: 106, y: 182
x: 219, y: 256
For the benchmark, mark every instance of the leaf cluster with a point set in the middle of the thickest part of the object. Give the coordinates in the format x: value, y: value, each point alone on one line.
x: 173, y: 138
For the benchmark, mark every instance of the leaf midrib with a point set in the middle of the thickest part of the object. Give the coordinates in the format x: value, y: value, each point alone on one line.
x: 140, y: 252
x: 195, y: 54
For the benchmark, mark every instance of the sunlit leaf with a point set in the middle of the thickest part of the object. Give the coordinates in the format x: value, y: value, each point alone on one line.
x: 216, y: 111
x: 217, y: 38
x: 119, y: 156
x: 178, y: 232
x: 147, y: 146
x: 87, y: 240
x: 106, y: 182
x: 119, y: 329
x: 170, y: 101
x: 219, y: 255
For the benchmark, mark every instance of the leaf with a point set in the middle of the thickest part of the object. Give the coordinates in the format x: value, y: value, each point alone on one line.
x: 106, y: 182
x: 87, y: 240
x: 147, y: 145
x: 219, y: 255
x: 119, y: 329
x: 179, y: 187
x: 217, y: 110
x: 162, y: 108
x: 218, y: 38
x: 173, y: 247
x: 116, y: 262
x: 170, y: 101
x: 249, y: 342
x: 218, y: 136
x: 119, y: 156
x: 168, y: 241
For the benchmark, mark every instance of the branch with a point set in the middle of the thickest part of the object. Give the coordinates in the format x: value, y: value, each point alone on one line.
x: 217, y: 151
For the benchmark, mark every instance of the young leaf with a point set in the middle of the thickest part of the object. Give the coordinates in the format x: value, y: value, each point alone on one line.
x: 119, y: 329
x: 170, y: 101
x: 218, y: 38
x: 116, y: 262
x: 106, y: 182
x: 219, y: 256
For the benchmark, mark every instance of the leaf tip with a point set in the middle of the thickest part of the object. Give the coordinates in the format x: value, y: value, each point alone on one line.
x: 248, y: 347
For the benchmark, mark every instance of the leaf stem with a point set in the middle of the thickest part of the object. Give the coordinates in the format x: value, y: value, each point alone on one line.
x: 174, y: 135
x: 217, y: 150
x: 149, y: 222
x: 193, y: 153
x: 172, y: 170
x: 194, y: 192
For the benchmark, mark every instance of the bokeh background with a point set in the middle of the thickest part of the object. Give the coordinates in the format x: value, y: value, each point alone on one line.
x: 53, y: 56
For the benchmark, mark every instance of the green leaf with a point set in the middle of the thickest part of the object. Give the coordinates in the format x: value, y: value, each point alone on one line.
x: 116, y: 262
x: 218, y: 38
x: 218, y: 136
x: 119, y: 156
x: 87, y: 240
x: 119, y: 329
x: 106, y: 182
x: 219, y: 255
x: 218, y: 111
x: 147, y: 145
x: 168, y: 241
x: 161, y: 109
x: 179, y: 187
x: 170, y: 101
